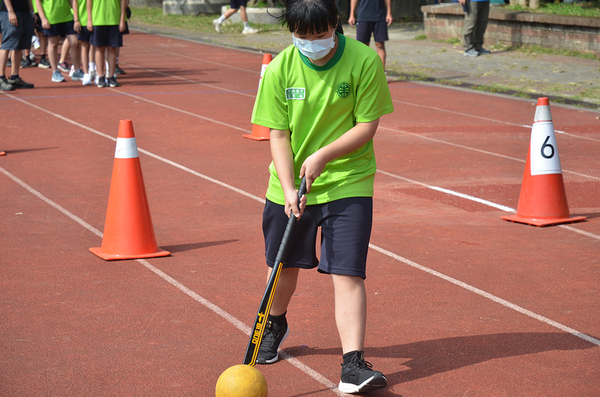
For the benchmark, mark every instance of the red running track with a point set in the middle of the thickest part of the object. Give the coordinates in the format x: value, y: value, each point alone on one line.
x: 461, y: 303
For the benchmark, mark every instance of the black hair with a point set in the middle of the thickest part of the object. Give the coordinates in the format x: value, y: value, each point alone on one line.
x: 310, y: 16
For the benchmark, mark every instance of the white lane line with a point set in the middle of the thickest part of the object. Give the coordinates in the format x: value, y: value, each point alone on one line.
x: 381, y: 250
x: 189, y: 81
x: 481, y: 201
x: 487, y: 295
x: 246, y: 329
x: 491, y: 120
x: 203, y: 301
x: 477, y: 150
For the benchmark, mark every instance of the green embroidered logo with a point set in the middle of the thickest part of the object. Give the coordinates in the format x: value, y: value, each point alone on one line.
x: 295, y: 93
x: 343, y: 90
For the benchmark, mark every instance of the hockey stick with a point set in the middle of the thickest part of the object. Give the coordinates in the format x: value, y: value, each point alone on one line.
x: 265, y: 305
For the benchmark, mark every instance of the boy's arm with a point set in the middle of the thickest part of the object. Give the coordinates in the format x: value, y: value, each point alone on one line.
x: 76, y: 23
x: 42, y: 14
x: 353, y: 139
x: 388, y: 17
x: 122, y: 20
x: 351, y: 19
x: 90, y: 24
x: 283, y: 159
x: 12, y: 17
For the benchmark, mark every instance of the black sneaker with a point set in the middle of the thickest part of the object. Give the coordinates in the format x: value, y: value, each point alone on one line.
x: 19, y: 83
x: 118, y: 70
x: 112, y: 82
x: 272, y: 338
x: 357, y: 375
x: 26, y: 62
x: 5, y: 85
x: 101, y: 82
x: 44, y: 63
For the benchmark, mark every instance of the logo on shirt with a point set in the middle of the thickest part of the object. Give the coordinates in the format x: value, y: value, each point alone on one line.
x: 295, y: 93
x: 343, y: 90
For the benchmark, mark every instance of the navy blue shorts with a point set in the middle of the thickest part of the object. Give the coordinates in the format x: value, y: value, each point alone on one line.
x: 106, y: 36
x: 345, y: 234
x: 237, y: 3
x: 84, y: 35
x: 379, y: 30
x: 60, y: 29
x: 16, y: 37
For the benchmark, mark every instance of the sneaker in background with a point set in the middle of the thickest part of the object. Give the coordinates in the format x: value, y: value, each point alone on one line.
x: 77, y: 75
x: 44, y: 63
x: 471, y: 53
x: 57, y: 77
x: 26, y: 62
x: 87, y: 79
x: 483, y: 51
x: 93, y: 74
x: 357, y: 375
x: 5, y: 85
x: 72, y: 70
x: 118, y: 70
x: 112, y: 82
x: 217, y: 25
x: 249, y: 30
x: 19, y: 83
x: 101, y: 82
x: 63, y: 67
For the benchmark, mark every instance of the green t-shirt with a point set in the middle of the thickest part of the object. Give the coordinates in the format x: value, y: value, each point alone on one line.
x: 106, y: 12
x: 82, y: 9
x: 318, y: 104
x: 57, y: 11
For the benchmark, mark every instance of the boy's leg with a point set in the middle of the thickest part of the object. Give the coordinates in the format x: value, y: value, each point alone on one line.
x: 244, y: 16
x: 350, y: 311
x: 16, y: 62
x: 111, y: 53
x: 84, y: 50
x: 64, y: 50
x: 288, y: 279
x: 380, y: 48
x: 53, y: 52
x: 74, y: 49
x: 100, y: 61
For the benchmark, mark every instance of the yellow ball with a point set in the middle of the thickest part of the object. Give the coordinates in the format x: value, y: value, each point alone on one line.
x: 241, y: 381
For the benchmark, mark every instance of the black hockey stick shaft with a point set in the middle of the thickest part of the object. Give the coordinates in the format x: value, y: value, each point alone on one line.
x: 267, y: 300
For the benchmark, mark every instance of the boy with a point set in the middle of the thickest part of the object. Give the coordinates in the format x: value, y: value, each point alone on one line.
x: 58, y: 20
x: 16, y: 24
x: 106, y: 19
x: 83, y: 38
x: 374, y: 16
x: 322, y: 99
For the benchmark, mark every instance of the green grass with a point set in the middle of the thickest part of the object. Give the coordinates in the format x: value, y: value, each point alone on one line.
x: 587, y: 9
x: 421, y: 37
x: 535, y: 50
x: 196, y: 23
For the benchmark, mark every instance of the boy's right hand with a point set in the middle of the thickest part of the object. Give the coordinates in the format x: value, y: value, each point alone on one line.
x: 90, y: 26
x: 292, y: 205
x: 45, y: 23
x: 351, y: 20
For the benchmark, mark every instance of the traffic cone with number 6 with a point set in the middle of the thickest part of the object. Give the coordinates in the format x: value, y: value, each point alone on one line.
x: 543, y: 201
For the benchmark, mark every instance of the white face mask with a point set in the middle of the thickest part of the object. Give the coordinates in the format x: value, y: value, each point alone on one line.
x: 315, y: 49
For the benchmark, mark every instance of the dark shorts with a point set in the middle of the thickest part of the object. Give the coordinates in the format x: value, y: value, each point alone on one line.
x: 84, y: 35
x: 16, y: 37
x: 60, y: 29
x: 364, y: 30
x: 237, y: 3
x: 345, y: 234
x: 38, y: 24
x: 106, y: 36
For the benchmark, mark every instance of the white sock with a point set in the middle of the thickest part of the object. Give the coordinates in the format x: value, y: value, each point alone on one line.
x: 246, y: 25
x: 221, y: 19
x: 92, y: 66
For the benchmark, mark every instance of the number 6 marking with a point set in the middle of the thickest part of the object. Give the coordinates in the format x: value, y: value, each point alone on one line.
x: 544, y: 146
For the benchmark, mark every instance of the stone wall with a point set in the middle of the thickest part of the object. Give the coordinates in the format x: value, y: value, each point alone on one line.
x: 445, y: 21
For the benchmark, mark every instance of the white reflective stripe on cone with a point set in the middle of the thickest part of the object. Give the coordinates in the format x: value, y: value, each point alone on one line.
x: 126, y: 148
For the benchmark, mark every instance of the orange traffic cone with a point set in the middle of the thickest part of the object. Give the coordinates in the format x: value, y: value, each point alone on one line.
x: 2, y: 153
x: 128, y: 231
x: 543, y: 200
x: 260, y: 133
